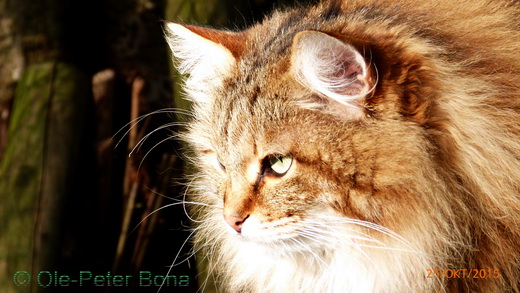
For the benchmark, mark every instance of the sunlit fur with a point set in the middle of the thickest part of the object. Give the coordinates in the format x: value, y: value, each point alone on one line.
x: 427, y: 177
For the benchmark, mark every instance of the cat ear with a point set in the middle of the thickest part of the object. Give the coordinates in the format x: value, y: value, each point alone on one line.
x: 207, y: 55
x: 334, y: 70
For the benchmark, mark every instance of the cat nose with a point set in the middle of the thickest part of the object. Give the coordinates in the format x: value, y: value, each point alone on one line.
x: 235, y: 221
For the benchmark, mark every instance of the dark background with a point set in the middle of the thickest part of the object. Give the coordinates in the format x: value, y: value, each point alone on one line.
x: 73, y: 74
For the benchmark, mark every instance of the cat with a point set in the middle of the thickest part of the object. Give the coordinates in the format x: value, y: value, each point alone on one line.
x: 357, y: 146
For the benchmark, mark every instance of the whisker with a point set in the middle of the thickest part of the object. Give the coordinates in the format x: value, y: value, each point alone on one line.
x: 136, y: 121
x: 320, y: 230
x: 163, y: 207
x: 212, y: 263
x: 160, y: 194
x: 312, y: 238
x: 149, y: 151
x: 184, y: 200
x: 367, y: 257
x: 365, y: 238
x: 180, y: 249
x: 316, y: 236
x: 307, y: 248
x: 369, y: 225
x: 144, y: 138
x: 175, y: 259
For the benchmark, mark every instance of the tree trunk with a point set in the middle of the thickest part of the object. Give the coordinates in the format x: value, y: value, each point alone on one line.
x: 38, y: 169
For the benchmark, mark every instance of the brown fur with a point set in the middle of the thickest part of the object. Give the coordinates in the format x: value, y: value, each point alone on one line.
x: 435, y: 157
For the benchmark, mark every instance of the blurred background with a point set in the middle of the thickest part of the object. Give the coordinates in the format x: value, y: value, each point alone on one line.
x: 76, y: 211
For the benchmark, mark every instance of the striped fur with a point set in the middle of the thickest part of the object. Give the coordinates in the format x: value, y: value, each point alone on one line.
x: 415, y: 169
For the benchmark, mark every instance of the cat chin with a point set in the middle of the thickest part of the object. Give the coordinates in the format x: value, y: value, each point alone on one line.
x: 264, y: 260
x: 255, y: 230
x: 252, y: 266
x: 268, y: 239
x: 289, y: 236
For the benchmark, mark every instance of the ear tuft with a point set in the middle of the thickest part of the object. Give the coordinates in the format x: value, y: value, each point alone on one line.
x: 199, y: 53
x: 332, y: 69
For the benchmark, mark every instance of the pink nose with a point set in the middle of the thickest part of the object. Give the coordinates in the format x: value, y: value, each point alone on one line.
x: 235, y: 222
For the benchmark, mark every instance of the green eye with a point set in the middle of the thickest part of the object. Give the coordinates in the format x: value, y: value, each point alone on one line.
x: 280, y: 164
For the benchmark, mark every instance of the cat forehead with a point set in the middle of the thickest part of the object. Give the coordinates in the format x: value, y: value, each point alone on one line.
x: 252, y: 98
x: 242, y: 139
x: 245, y: 134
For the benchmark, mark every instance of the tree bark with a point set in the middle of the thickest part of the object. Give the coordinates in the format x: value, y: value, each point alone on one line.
x: 38, y: 169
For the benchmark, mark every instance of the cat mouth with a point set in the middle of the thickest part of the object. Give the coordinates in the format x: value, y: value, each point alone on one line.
x: 285, y: 234
x: 301, y: 234
x: 280, y: 244
x: 268, y: 236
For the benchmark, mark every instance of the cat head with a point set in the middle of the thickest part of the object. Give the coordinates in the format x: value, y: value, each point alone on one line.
x: 296, y: 124
x: 343, y: 133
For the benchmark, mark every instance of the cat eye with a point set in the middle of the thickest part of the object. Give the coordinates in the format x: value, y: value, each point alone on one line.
x: 279, y: 164
x: 222, y: 167
x: 212, y: 158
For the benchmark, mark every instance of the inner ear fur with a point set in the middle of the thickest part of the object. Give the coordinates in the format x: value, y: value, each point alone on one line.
x: 332, y: 69
x: 206, y: 55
